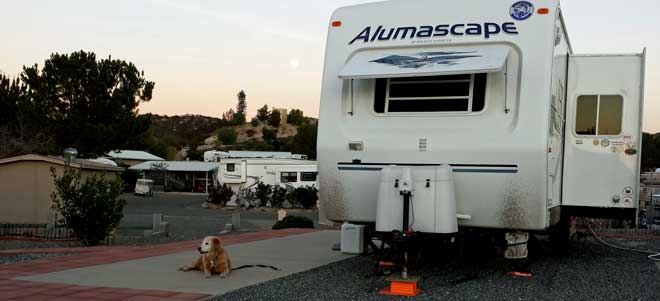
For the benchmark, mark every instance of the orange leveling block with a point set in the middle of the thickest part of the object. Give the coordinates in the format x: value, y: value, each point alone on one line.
x: 400, y: 286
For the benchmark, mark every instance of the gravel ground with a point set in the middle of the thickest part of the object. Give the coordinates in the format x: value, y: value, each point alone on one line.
x: 15, y: 258
x: 590, y: 271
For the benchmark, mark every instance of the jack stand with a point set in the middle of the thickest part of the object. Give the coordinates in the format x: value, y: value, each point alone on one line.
x: 400, y: 286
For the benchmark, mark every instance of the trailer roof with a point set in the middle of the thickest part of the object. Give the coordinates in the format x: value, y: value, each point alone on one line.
x: 191, y: 166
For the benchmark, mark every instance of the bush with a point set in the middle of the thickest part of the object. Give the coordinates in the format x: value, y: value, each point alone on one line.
x: 268, y: 135
x: 227, y: 136
x: 274, y: 118
x: 250, y: 132
x: 262, y: 194
x: 293, y: 221
x: 221, y: 195
x: 304, y: 197
x: 254, y: 122
x: 278, y: 196
x: 91, y: 208
x: 295, y: 116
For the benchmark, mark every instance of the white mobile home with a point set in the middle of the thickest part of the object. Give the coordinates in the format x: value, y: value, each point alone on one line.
x: 479, y: 107
x: 243, y: 173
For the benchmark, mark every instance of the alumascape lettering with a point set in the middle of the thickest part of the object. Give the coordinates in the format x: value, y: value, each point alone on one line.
x: 410, y: 32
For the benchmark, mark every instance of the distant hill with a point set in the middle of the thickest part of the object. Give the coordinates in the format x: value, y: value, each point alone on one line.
x: 188, y: 136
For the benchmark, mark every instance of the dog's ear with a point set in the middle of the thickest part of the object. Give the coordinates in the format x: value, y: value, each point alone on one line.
x: 216, y: 241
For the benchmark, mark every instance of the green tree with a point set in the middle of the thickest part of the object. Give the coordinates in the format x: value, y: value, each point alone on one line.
x: 263, y: 113
x: 304, y: 142
x: 24, y: 123
x: 241, y: 106
x: 268, y: 135
x: 295, y: 116
x: 90, y: 208
x: 274, y: 118
x: 227, y: 136
x: 90, y: 104
x: 254, y: 122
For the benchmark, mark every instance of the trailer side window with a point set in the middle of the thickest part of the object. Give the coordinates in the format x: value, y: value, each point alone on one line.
x: 308, y: 176
x: 231, y: 167
x: 599, y: 115
x: 453, y: 93
x: 289, y: 176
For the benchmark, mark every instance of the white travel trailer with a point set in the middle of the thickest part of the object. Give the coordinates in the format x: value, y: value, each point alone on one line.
x: 531, y: 132
x: 242, y: 173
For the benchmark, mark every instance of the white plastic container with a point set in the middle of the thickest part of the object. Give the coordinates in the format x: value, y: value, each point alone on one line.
x: 352, y: 239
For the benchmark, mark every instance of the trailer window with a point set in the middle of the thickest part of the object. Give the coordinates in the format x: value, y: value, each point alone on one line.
x: 289, y: 177
x: 454, y: 93
x: 231, y: 167
x: 308, y: 176
x: 599, y: 115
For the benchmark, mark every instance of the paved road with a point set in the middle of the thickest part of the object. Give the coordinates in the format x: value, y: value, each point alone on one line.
x: 186, y: 218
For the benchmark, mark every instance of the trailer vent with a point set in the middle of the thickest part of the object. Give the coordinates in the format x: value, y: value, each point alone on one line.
x: 422, y: 145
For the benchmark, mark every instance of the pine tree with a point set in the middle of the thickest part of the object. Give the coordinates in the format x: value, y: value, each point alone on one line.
x: 241, y: 107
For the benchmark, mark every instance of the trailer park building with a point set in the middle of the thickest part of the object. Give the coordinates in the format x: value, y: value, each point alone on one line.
x: 128, y: 158
x: 26, y: 184
x: 190, y: 176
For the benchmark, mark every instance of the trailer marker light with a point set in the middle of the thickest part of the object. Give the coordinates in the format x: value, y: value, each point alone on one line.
x: 543, y: 11
x: 336, y: 23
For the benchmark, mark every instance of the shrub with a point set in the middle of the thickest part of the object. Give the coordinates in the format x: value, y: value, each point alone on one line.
x: 278, y: 196
x: 293, y: 221
x: 274, y: 118
x: 247, y: 198
x: 295, y: 116
x: 91, y: 208
x: 304, y: 197
x: 250, y: 132
x: 227, y: 136
x: 221, y: 195
x: 254, y: 122
x: 268, y: 135
x: 263, y: 193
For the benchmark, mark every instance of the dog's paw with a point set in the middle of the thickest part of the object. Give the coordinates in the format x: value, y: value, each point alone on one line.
x: 224, y: 275
x: 207, y: 275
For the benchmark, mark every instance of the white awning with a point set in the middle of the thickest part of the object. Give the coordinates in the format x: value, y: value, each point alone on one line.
x: 409, y: 63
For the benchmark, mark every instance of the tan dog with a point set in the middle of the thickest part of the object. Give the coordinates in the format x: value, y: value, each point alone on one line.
x: 214, y: 259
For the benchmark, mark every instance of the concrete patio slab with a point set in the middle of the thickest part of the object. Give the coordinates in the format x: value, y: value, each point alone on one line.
x: 291, y: 254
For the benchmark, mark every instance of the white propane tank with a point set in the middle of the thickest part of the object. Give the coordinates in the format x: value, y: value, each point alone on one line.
x: 389, y: 207
x: 445, y: 201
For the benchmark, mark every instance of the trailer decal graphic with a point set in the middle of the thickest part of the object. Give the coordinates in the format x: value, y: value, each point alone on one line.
x: 486, y: 30
x: 426, y: 58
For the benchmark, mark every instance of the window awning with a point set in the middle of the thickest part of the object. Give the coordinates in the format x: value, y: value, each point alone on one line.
x: 409, y: 63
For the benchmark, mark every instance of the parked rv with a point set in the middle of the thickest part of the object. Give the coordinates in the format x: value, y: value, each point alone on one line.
x: 243, y: 173
x: 478, y: 107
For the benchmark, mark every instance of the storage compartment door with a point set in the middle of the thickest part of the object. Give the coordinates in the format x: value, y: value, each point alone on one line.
x: 603, y: 128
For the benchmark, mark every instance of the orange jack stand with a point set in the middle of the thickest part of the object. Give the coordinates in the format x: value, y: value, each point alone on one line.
x: 401, y: 287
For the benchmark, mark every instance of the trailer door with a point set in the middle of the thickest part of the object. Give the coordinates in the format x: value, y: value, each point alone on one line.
x: 603, y: 131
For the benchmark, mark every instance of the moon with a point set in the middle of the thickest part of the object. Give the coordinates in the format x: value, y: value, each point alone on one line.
x: 294, y: 63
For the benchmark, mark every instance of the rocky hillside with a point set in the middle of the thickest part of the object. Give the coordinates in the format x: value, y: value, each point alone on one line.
x: 188, y: 136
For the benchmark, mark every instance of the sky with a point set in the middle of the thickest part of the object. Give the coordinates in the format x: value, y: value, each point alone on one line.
x: 201, y: 53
